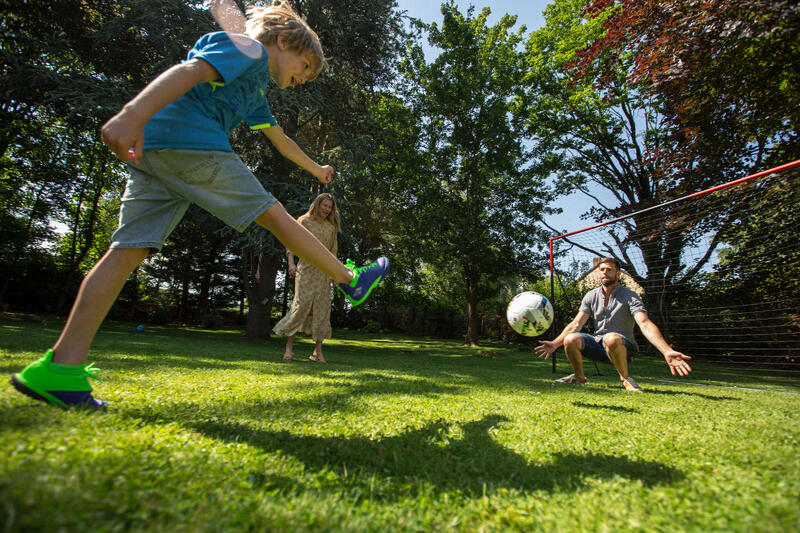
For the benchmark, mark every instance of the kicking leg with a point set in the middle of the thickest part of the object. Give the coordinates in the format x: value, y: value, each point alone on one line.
x: 302, y: 242
x: 356, y: 283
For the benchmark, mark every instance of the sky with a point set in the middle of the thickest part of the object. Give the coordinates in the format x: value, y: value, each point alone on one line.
x: 529, y: 13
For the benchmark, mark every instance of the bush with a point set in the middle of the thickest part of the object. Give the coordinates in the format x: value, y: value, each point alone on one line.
x: 159, y: 315
x: 212, y: 321
x: 372, y: 326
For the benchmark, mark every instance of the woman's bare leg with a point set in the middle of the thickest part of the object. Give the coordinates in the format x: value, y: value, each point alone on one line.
x: 288, y: 353
x: 318, y: 357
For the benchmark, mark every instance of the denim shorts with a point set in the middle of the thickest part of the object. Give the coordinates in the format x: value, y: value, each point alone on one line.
x: 166, y: 182
x: 593, y: 347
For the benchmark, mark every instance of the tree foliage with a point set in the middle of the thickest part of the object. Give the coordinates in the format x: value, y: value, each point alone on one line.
x: 68, y: 66
x: 331, y: 120
x: 728, y: 72
x: 622, y: 91
x: 474, y: 209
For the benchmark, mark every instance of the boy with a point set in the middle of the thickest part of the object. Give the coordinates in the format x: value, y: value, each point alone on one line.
x: 174, y: 135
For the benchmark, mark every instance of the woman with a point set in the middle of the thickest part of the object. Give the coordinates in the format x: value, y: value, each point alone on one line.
x: 311, y: 306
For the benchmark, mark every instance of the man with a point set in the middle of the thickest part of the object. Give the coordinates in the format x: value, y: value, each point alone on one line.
x: 614, y: 309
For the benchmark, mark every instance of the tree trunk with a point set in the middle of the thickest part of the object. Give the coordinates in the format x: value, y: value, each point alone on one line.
x: 204, y: 305
x: 184, y: 303
x: 258, y: 272
x: 76, y: 256
x: 285, y: 301
x: 473, y: 320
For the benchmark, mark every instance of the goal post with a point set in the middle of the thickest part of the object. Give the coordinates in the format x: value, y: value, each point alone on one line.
x: 718, y: 270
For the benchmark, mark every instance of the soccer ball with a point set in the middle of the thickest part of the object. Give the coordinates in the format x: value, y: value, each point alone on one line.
x: 529, y: 313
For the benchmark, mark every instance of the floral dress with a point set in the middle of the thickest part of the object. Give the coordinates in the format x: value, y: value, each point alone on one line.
x: 311, y: 307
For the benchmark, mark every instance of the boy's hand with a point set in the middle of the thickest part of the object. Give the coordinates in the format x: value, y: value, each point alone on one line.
x: 325, y: 174
x: 124, y: 135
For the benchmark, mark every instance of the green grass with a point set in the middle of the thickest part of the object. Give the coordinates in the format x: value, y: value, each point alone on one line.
x: 210, y: 432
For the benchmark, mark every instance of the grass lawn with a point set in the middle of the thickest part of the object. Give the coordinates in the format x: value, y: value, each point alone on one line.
x: 210, y: 432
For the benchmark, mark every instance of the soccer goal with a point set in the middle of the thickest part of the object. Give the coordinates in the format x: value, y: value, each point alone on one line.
x: 718, y: 270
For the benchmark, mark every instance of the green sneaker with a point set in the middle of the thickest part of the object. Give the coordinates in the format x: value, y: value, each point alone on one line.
x: 365, y: 279
x: 64, y: 386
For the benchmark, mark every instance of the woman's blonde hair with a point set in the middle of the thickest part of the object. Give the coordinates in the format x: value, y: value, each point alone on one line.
x: 333, y: 216
x: 266, y: 23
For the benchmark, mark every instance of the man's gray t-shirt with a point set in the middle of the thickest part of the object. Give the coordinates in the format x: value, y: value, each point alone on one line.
x: 617, y: 316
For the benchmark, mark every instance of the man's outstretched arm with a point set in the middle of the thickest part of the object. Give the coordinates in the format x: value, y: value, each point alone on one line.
x: 676, y: 360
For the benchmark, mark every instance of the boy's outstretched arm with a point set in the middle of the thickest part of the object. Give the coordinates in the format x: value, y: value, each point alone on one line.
x: 125, y: 130
x: 289, y: 149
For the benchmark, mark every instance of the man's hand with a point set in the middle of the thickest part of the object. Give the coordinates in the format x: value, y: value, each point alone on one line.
x: 292, y: 269
x: 546, y: 348
x: 677, y: 363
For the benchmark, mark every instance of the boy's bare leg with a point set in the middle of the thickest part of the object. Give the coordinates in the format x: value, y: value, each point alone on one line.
x: 302, y: 242
x: 98, y: 292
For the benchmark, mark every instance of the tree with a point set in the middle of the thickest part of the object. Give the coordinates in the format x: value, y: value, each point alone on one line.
x: 727, y: 72
x: 600, y: 129
x: 655, y: 100
x: 62, y: 78
x: 329, y: 119
x: 474, y: 210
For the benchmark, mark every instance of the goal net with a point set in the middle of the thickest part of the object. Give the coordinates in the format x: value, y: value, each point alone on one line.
x: 718, y: 270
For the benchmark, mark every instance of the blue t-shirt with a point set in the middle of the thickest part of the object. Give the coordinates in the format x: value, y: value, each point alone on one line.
x: 617, y: 316
x: 202, y: 118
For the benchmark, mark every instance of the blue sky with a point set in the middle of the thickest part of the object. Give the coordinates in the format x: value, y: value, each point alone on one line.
x: 529, y: 13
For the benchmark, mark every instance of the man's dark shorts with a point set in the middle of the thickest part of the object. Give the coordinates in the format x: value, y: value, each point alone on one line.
x: 593, y: 347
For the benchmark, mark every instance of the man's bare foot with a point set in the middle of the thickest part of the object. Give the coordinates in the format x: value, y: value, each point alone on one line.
x: 288, y: 356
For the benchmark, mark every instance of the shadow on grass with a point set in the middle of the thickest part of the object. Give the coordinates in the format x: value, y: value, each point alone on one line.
x: 699, y: 395
x: 609, y: 407
x: 471, y: 463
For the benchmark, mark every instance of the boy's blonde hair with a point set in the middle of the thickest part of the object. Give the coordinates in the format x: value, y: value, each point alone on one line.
x: 266, y: 23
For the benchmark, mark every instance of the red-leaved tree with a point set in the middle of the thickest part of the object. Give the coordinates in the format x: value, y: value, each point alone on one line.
x: 729, y: 73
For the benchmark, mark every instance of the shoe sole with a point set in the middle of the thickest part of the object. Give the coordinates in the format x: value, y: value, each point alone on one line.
x: 631, y: 387
x: 41, y: 396
x: 49, y: 399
